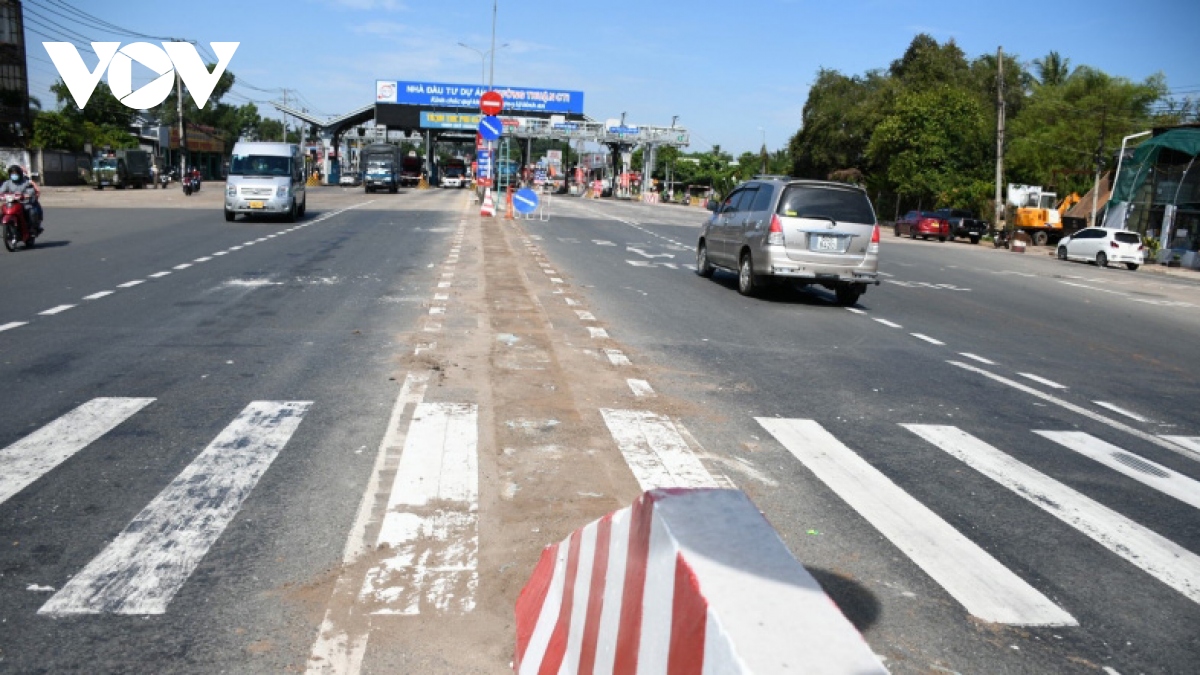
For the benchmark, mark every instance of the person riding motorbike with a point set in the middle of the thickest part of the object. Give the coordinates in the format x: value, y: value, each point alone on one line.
x: 18, y: 183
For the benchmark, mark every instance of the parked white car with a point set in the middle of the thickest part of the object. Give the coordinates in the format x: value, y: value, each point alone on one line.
x: 1103, y: 246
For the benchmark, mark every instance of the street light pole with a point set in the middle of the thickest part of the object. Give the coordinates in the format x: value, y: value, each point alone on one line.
x: 492, y: 75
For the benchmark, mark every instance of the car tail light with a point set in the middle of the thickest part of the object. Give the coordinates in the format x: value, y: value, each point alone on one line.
x: 775, y: 234
x: 873, y: 247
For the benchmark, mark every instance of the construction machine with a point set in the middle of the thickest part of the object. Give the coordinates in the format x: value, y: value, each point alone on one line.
x: 1037, y: 215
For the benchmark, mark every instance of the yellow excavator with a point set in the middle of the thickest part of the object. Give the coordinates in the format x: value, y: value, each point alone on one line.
x: 1037, y: 215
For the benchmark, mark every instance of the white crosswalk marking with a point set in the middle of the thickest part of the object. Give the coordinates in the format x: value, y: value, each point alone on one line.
x: 1142, y: 470
x: 143, y: 568
x: 655, y: 451
x: 431, y: 524
x: 32, y: 457
x: 985, y: 587
x: 1163, y: 559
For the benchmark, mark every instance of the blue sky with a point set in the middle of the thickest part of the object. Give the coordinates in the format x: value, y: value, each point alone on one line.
x: 734, y: 72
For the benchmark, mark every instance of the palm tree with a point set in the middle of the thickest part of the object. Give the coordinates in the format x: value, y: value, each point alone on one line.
x: 1053, y: 70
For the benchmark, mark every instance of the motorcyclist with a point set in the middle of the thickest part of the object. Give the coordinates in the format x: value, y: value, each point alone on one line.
x: 18, y: 183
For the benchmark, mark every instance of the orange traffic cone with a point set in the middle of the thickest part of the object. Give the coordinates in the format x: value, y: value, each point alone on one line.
x: 508, y: 212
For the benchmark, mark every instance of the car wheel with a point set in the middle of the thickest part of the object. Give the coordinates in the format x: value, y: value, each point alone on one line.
x: 912, y: 234
x: 975, y: 239
x: 1040, y: 238
x: 942, y: 239
x: 747, y: 283
x: 1101, y: 260
x: 703, y: 267
x: 952, y: 236
x: 896, y: 230
x: 229, y: 216
x: 848, y: 294
x: 1131, y: 266
x: 291, y: 214
x: 1062, y: 252
x: 303, y: 207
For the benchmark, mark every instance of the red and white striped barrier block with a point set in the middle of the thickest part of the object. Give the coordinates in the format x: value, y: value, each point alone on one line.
x: 684, y: 581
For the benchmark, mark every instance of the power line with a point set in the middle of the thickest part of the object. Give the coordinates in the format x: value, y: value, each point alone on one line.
x: 97, y: 22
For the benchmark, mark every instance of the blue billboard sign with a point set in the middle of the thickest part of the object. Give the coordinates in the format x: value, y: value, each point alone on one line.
x: 516, y: 99
x: 483, y: 160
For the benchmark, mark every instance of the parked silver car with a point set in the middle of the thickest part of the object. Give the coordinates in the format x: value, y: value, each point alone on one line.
x: 800, y: 231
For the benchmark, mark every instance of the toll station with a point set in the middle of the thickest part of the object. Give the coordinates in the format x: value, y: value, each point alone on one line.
x: 435, y: 112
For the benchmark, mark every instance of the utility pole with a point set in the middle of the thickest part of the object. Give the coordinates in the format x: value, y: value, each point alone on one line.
x: 1099, y: 164
x: 182, y: 130
x: 998, y: 210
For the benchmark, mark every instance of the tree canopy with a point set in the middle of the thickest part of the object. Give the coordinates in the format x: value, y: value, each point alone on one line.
x: 924, y: 129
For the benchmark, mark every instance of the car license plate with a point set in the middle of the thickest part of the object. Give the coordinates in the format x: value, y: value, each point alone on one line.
x: 827, y: 243
x: 256, y: 205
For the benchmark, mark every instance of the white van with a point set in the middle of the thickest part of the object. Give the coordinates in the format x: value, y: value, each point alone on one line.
x: 265, y: 179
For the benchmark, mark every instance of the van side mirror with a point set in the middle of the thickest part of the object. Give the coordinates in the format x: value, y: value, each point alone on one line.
x: 712, y: 205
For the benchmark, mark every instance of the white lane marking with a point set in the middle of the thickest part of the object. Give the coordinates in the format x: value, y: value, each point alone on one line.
x: 443, y: 284
x: 655, y: 451
x: 885, y: 274
x: 617, y: 357
x: 248, y: 243
x: 555, y: 280
x: 571, y: 302
x: 30, y: 458
x: 1138, y: 468
x: 236, y: 248
x: 336, y: 649
x: 1121, y: 411
x: 1190, y: 442
x: 97, y: 296
x: 131, y: 284
x: 1164, y: 442
x: 597, y: 332
x: 1090, y: 288
x: 889, y: 323
x: 640, y: 388
x: 437, y: 310
x: 1156, y: 555
x: 1042, y: 380
x: 159, y: 275
x: 854, y: 309
x: 585, y: 315
x: 56, y: 310
x: 13, y: 324
x: 220, y: 253
x: 424, y: 347
x: 431, y: 524
x: 976, y: 357
x: 980, y: 583
x: 149, y: 561
x: 441, y: 296
x: 928, y: 339
x: 202, y: 260
x: 184, y: 266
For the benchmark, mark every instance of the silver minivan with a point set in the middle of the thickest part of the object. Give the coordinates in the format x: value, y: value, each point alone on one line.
x: 266, y: 179
x: 799, y: 231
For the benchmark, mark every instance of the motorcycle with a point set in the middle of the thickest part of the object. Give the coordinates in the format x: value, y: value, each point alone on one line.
x: 191, y: 184
x: 17, y: 228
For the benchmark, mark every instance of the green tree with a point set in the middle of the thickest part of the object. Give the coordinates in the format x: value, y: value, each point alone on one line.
x: 927, y: 64
x: 837, y: 122
x: 56, y: 130
x: 1052, y: 69
x: 933, y: 146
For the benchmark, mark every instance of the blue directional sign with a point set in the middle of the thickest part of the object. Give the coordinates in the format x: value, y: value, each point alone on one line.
x: 525, y: 201
x: 483, y: 160
x: 623, y: 130
x: 490, y: 128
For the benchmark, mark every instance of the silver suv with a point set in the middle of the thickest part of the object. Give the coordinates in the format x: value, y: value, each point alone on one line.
x: 802, y: 231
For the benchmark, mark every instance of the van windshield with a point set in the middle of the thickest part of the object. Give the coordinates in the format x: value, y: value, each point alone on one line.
x: 811, y: 201
x: 260, y: 165
x: 106, y: 164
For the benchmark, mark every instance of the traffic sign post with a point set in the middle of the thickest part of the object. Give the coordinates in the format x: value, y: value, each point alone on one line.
x: 525, y: 201
x: 490, y: 128
x: 491, y: 103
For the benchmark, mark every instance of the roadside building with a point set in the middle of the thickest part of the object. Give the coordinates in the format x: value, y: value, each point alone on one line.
x: 1158, y: 193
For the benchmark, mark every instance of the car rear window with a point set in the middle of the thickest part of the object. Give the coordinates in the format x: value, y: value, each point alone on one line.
x: 810, y: 201
x: 1127, y: 237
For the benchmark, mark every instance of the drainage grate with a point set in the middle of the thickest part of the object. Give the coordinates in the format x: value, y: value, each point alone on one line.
x: 1139, y: 464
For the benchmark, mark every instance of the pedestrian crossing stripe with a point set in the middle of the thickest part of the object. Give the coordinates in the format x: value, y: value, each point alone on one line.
x: 149, y: 561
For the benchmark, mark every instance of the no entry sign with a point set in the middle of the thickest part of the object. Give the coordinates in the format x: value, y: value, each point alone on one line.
x: 491, y: 103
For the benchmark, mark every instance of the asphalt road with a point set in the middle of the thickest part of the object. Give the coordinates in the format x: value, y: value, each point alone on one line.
x: 224, y: 435
x: 1122, y: 338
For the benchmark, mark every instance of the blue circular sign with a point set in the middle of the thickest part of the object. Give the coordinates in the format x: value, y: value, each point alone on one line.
x: 490, y: 128
x: 525, y: 201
